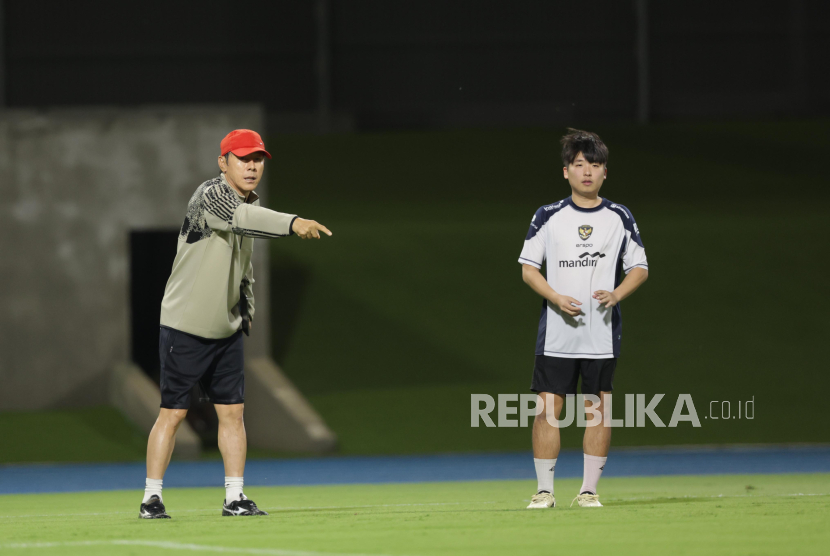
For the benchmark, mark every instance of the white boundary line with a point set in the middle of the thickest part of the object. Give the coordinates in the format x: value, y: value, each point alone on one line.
x: 179, y: 546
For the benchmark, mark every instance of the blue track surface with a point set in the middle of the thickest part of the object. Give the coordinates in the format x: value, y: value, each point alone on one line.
x: 18, y: 479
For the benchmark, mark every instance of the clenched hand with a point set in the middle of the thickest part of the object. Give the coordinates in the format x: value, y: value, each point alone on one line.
x: 307, y: 229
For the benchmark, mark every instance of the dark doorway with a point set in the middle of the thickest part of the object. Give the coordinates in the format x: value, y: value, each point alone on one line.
x: 151, y: 258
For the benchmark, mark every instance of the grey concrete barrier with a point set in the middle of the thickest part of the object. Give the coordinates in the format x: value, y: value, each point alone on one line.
x: 137, y: 397
x: 277, y: 416
x: 74, y: 183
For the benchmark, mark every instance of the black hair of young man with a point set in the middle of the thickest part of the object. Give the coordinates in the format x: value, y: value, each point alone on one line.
x: 589, y: 144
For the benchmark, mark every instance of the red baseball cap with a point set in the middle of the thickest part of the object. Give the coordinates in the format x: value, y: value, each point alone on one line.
x: 242, y: 142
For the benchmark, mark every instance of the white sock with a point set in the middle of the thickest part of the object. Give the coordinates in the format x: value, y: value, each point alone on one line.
x: 233, y: 488
x: 152, y: 487
x: 544, y: 473
x: 591, y: 472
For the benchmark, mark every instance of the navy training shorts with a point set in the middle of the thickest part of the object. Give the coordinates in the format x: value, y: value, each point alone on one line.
x: 559, y: 375
x: 187, y: 360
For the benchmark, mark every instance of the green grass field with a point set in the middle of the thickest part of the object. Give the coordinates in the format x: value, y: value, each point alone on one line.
x: 707, y: 515
x: 84, y: 434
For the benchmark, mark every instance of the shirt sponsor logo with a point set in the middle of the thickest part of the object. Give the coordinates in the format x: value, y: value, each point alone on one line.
x: 585, y: 259
x: 585, y: 231
x: 553, y: 206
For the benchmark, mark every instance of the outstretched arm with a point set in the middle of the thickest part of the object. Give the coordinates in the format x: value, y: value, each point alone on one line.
x: 533, y: 278
x: 254, y: 221
x: 633, y: 280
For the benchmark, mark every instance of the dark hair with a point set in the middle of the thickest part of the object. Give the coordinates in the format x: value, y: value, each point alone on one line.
x: 589, y: 144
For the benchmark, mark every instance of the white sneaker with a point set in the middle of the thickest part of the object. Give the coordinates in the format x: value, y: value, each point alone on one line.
x: 587, y: 500
x: 542, y: 500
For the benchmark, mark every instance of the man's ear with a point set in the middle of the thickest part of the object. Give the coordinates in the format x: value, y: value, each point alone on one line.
x: 223, y: 165
x: 565, y: 171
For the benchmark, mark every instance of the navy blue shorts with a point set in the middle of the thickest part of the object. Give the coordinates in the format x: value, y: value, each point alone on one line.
x: 559, y: 375
x: 215, y: 365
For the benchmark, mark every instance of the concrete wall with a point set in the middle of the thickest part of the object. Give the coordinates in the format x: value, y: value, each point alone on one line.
x: 73, y: 183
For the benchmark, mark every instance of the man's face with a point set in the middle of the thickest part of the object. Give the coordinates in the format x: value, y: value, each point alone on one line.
x: 585, y: 177
x: 243, y: 173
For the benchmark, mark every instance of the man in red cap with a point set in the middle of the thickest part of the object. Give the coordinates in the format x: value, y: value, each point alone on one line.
x: 208, y: 303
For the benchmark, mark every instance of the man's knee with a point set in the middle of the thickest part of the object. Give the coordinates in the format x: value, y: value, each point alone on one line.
x: 230, y: 414
x: 548, y: 411
x: 596, y: 406
x: 172, y: 415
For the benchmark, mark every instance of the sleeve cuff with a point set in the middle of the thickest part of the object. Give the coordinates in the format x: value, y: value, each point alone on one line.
x: 630, y: 268
x: 522, y: 260
x: 291, y: 226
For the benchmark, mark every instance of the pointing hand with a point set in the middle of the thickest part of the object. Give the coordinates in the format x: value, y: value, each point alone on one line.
x: 308, y: 229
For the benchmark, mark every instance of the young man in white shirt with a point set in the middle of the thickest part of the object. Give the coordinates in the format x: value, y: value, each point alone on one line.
x: 587, y: 243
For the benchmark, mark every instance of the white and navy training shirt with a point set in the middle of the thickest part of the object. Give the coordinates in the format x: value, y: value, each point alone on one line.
x: 585, y: 250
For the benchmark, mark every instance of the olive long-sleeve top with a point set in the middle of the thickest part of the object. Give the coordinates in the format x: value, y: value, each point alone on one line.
x: 214, y: 258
